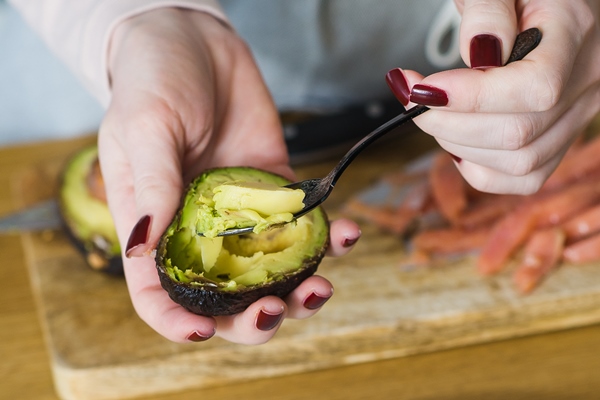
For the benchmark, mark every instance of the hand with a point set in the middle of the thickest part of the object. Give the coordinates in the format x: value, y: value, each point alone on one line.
x: 186, y: 96
x: 509, y: 127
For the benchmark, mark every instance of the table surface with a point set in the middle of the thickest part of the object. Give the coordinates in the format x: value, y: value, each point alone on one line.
x: 559, y: 365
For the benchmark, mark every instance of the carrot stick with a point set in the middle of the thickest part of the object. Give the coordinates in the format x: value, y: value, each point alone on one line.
x: 507, y: 235
x: 583, y: 251
x: 396, y: 221
x: 487, y: 210
x: 416, y: 258
x: 579, y: 161
x: 450, y: 240
x: 558, y: 207
x: 542, y: 253
x: 583, y: 224
x: 448, y: 187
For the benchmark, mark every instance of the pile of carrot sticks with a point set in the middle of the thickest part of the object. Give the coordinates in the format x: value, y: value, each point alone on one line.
x: 440, y: 215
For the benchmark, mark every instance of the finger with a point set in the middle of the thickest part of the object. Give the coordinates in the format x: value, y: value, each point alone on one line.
x: 153, y: 305
x: 534, y: 84
x: 525, y: 170
x: 490, y: 180
x: 517, y: 163
x: 150, y: 301
x: 488, y: 131
x: 308, y: 298
x: 256, y: 325
x: 344, y: 234
x: 487, y: 32
x: 143, y: 178
x: 400, y: 81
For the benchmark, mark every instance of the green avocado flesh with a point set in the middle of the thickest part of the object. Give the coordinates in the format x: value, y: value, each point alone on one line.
x: 241, y: 204
x: 87, y: 219
x: 223, y: 275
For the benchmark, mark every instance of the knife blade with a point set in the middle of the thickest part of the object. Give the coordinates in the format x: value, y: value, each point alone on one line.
x: 42, y: 216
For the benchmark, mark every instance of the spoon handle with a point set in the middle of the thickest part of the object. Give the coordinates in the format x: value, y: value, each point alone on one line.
x: 380, y: 131
x: 525, y: 42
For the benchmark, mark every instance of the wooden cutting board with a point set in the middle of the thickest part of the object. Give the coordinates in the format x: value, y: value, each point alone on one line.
x: 100, y: 349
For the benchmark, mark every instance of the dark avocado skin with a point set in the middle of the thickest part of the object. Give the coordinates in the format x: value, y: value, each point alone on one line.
x: 97, y: 258
x: 208, y: 300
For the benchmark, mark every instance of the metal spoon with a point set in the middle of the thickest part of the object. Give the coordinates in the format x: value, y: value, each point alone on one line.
x: 318, y: 189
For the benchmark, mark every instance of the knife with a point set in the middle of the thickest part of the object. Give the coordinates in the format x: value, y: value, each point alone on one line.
x: 39, y: 217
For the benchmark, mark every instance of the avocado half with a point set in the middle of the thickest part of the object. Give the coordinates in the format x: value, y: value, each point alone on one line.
x: 223, y: 275
x: 85, y: 214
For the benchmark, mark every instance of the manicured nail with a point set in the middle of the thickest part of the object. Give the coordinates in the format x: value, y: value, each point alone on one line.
x: 349, y: 242
x: 314, y: 301
x: 428, y: 95
x: 485, y: 51
x: 455, y: 158
x: 138, y: 237
x: 199, y: 337
x: 398, y: 85
x: 266, y: 321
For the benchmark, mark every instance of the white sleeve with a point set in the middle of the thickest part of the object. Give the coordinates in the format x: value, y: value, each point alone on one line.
x: 78, y: 32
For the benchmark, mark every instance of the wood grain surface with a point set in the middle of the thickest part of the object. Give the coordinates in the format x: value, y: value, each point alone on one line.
x: 99, y: 349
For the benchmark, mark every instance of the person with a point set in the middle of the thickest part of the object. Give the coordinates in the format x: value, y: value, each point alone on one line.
x: 193, y: 84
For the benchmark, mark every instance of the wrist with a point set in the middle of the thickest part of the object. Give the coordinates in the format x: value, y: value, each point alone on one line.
x: 157, y: 25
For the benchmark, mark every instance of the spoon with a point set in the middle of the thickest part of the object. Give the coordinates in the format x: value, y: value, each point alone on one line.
x: 318, y: 189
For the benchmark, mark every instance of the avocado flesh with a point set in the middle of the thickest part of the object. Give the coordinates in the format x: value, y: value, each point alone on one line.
x: 246, y: 267
x: 87, y: 218
x: 264, y: 198
x: 241, y: 260
x: 240, y: 204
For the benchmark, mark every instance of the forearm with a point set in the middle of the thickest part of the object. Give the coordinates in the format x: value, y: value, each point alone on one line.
x: 79, y: 32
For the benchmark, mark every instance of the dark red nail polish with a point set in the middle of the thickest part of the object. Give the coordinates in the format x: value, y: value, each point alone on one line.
x: 485, y: 51
x: 198, y: 337
x: 348, y: 242
x: 455, y: 158
x: 398, y: 85
x: 266, y: 322
x: 314, y: 301
x: 428, y: 95
x: 138, y: 236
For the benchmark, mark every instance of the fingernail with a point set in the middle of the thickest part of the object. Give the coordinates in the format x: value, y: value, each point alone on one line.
x: 349, y: 242
x: 199, y: 337
x: 455, y: 158
x: 266, y: 321
x: 398, y: 85
x: 138, y: 237
x: 314, y: 301
x: 428, y: 95
x: 485, y: 51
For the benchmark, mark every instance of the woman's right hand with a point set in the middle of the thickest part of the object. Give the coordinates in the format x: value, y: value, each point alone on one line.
x: 508, y: 127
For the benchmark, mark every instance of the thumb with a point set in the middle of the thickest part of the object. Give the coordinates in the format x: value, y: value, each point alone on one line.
x: 487, y: 32
x: 142, y: 173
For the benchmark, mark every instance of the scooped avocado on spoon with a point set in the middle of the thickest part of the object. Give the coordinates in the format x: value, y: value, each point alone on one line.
x: 241, y: 204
